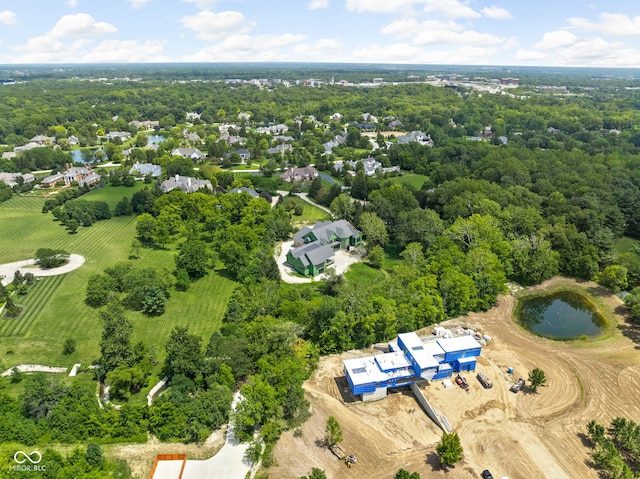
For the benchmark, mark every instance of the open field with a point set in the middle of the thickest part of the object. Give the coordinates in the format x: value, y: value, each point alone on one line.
x: 310, y: 213
x: 411, y: 179
x: 55, y: 308
x: 113, y: 194
x: 522, y: 436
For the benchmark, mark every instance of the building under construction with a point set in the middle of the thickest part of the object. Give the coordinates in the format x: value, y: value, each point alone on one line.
x: 411, y: 359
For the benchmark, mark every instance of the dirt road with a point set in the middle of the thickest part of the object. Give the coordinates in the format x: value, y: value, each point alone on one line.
x: 525, y: 435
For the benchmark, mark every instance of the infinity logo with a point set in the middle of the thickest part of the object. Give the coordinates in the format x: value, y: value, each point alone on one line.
x: 27, y: 457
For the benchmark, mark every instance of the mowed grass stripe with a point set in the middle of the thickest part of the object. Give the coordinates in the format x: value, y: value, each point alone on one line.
x: 39, y: 294
x: 23, y: 203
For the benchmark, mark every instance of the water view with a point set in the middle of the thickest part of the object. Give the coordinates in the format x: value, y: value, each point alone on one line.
x: 86, y: 155
x: 562, y: 315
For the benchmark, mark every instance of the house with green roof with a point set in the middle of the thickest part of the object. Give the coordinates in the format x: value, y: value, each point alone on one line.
x: 315, y: 247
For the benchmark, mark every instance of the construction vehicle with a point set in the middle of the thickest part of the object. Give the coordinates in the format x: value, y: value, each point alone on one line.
x: 462, y: 382
x: 337, y: 451
x: 350, y: 461
x: 517, y: 386
x: 484, y: 380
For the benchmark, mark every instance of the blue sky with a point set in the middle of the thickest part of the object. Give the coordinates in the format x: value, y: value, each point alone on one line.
x: 484, y: 32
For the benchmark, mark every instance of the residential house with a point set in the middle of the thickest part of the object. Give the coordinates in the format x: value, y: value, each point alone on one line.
x: 364, y: 126
x: 371, y: 165
x: 273, y: 129
x: 185, y: 183
x: 29, y: 146
x: 336, y: 117
x: 330, y: 145
x: 279, y: 149
x: 368, y: 117
x: 299, y: 174
x: 552, y: 131
x: 11, y: 179
x: 394, y: 124
x: 242, y: 116
x: 232, y: 139
x: 51, y: 180
x: 73, y: 140
x: 417, y: 136
x: 43, y: 140
x: 146, y: 169
x: 314, y: 248
x: 123, y: 135
x: 191, y: 136
x: 193, y: 153
x: 243, y: 153
x: 81, y: 174
x: 145, y: 125
x: 190, y: 116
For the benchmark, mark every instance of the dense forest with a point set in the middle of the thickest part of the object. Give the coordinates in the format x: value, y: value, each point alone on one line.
x: 552, y: 199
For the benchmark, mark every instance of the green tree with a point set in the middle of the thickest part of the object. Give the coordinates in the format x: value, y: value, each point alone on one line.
x: 449, y: 449
x: 613, y: 277
x: 124, y: 208
x: 342, y: 207
x: 145, y: 228
x: 333, y: 431
x: 94, y: 455
x: 100, y: 287
x: 404, y: 474
x: 537, y: 379
x: 184, y: 353
x: 69, y: 346
x: 373, y: 229
x: 315, y: 473
x: 72, y: 226
x: 51, y: 258
x: 194, y: 258
x: 376, y: 257
x: 115, y: 346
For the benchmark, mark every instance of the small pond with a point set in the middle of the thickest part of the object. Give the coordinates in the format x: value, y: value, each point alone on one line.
x: 561, y: 315
x: 86, y: 155
x: 156, y: 139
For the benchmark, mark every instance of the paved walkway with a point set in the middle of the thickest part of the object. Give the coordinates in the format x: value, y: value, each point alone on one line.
x: 8, y: 270
x: 305, y: 197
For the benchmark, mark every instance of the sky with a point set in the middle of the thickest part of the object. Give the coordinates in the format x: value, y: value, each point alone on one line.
x: 595, y: 33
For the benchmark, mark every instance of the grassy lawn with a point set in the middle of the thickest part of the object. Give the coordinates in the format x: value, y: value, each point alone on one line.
x: 364, y: 275
x: 310, y: 213
x: 411, y: 179
x: 54, y: 307
x: 625, y: 244
x: 113, y: 194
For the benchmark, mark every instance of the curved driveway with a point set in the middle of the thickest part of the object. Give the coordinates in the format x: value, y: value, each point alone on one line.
x: 8, y: 269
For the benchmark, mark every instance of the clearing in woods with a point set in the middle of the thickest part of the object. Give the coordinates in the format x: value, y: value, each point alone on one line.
x: 597, y: 379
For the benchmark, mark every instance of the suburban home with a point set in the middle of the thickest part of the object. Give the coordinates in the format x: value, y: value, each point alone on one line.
x: 417, y: 136
x: 371, y: 166
x: 299, y: 174
x: 336, y: 117
x: 185, y: 183
x: 29, y: 146
x: 43, y: 140
x: 193, y: 153
x: 279, y: 149
x: 11, y: 179
x: 146, y: 125
x: 123, y: 135
x: 191, y: 136
x: 191, y: 115
x: 314, y: 248
x: 146, y: 169
x: 73, y: 140
x: 243, y: 153
x: 273, y: 129
x: 82, y: 175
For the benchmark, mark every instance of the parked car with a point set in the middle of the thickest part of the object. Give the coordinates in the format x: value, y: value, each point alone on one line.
x: 486, y: 474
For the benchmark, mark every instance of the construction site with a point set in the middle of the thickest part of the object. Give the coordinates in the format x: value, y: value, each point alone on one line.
x: 513, y: 433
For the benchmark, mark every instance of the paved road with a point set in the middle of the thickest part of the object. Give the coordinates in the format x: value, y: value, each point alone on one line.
x: 8, y: 269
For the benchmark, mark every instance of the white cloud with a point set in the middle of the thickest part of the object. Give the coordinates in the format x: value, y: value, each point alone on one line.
x: 319, y: 50
x: 212, y: 26
x: 139, y: 3
x: 80, y: 24
x: 598, y: 53
x: 7, y: 17
x: 609, y: 24
x: 451, y: 9
x: 72, y: 3
x: 316, y: 4
x: 378, y: 6
x: 202, y: 4
x: 405, y: 53
x: 556, y: 39
x: 249, y: 48
x: 119, y: 51
x: 434, y: 32
x: 528, y: 55
x: 496, y: 13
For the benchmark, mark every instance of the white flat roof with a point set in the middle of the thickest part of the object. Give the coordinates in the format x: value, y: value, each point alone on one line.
x: 366, y: 370
x: 391, y: 361
x: 460, y: 343
x: 419, y: 350
x: 470, y: 359
x: 433, y: 348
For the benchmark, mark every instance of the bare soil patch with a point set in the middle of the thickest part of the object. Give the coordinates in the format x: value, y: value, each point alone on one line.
x: 524, y: 435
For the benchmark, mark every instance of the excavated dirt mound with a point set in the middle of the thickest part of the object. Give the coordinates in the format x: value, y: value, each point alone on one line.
x: 522, y: 435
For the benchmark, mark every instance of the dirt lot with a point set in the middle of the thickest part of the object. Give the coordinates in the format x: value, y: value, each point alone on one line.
x: 523, y: 435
